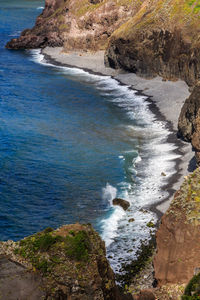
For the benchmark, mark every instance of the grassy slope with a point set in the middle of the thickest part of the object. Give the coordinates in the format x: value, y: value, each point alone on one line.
x: 165, y: 14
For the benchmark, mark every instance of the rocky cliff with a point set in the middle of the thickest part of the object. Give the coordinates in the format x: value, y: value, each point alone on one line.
x: 68, y: 263
x: 162, y: 38
x: 189, y: 121
x: 75, y: 24
x: 178, y: 237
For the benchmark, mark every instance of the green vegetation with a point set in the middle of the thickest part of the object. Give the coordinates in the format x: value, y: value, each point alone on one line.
x: 41, y: 248
x: 150, y: 224
x: 77, y: 245
x: 187, y: 199
x: 182, y: 14
x: 192, y: 290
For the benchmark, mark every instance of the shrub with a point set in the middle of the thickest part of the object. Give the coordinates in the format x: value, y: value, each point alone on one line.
x: 77, y: 246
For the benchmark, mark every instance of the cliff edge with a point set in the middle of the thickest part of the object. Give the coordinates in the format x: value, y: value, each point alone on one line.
x: 162, y: 38
x: 67, y: 263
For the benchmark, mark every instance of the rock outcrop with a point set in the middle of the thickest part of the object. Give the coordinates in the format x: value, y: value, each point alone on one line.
x: 162, y: 38
x: 68, y: 263
x: 189, y: 121
x: 178, y: 237
x: 75, y: 24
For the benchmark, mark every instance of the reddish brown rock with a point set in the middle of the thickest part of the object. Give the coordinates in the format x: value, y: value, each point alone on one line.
x: 178, y: 237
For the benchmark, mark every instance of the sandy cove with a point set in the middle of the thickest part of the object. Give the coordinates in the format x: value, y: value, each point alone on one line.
x: 166, y: 99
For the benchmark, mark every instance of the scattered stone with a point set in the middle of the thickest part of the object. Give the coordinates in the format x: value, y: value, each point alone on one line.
x: 145, y: 295
x: 150, y: 224
x: 131, y: 220
x: 121, y: 202
x: 163, y: 174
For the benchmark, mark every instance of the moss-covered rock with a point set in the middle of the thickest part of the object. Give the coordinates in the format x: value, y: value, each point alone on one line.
x: 70, y: 260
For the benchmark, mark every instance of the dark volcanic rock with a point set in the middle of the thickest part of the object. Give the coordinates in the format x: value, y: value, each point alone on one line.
x: 189, y: 121
x: 156, y: 52
x: 189, y: 113
x: 123, y: 203
x: 162, y: 39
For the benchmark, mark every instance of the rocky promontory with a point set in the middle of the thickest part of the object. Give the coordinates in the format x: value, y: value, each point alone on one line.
x: 74, y: 24
x: 67, y: 263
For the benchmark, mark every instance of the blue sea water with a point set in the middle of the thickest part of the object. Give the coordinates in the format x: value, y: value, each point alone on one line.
x: 70, y: 142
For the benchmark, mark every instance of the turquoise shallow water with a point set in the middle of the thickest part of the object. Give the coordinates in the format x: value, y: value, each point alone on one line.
x: 70, y: 142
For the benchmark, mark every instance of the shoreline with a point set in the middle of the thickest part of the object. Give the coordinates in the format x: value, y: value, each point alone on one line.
x: 165, y: 108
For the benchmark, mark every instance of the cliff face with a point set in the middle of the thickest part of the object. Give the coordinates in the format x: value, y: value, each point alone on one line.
x: 189, y: 121
x: 162, y: 38
x: 75, y: 24
x: 178, y: 237
x: 68, y: 263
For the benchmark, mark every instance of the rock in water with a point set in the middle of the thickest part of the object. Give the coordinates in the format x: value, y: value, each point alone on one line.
x: 178, y: 237
x: 68, y: 263
x: 121, y: 202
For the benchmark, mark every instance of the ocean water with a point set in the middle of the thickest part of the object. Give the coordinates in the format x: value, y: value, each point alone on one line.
x: 70, y: 142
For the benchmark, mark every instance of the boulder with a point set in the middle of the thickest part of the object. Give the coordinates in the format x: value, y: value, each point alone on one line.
x: 121, y: 202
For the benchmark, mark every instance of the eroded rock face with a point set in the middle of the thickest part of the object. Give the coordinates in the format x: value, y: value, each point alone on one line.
x: 189, y: 121
x: 17, y: 283
x: 178, y: 237
x: 68, y: 263
x: 75, y: 24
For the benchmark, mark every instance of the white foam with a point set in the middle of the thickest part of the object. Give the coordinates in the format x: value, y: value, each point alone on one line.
x: 40, y: 7
x: 38, y: 57
x: 138, y: 159
x: 151, y: 157
x: 110, y: 224
x: 109, y: 193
